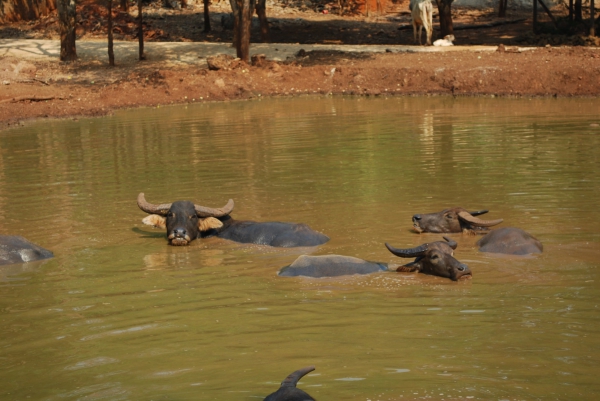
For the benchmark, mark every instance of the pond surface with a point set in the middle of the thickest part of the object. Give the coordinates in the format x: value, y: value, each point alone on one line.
x: 120, y: 315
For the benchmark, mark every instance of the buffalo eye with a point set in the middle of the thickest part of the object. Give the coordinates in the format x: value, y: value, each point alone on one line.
x: 449, y: 216
x: 170, y: 214
x: 434, y: 257
x: 192, y: 217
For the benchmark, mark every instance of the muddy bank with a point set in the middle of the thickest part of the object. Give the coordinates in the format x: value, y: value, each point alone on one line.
x: 34, y: 89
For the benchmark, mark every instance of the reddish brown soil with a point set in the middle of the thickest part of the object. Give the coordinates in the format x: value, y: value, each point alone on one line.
x: 30, y: 89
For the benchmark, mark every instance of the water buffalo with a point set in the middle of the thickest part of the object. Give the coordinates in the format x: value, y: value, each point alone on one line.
x: 330, y: 266
x: 288, y: 390
x: 15, y: 249
x: 454, y: 220
x: 435, y: 258
x: 186, y: 221
x: 510, y: 240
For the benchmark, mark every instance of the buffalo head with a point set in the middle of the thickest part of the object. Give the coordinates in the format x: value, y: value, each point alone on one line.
x: 183, y: 219
x: 435, y: 258
x: 453, y: 220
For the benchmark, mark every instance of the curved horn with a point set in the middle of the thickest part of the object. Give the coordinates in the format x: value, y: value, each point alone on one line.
x: 479, y: 212
x: 407, y: 253
x: 151, y: 208
x: 451, y: 243
x: 293, y: 378
x: 203, y: 211
x: 478, y: 222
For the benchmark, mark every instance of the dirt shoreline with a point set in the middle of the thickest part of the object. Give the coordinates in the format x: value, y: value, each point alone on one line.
x: 312, y: 52
x: 33, y: 89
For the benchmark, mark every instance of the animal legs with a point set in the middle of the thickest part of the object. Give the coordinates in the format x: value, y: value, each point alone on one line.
x: 415, y: 31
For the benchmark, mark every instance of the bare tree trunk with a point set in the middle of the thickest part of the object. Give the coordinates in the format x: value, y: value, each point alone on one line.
x: 535, y: 16
x: 245, y: 27
x: 125, y: 5
x: 502, y: 8
x: 111, y: 53
x: 67, y: 18
x: 592, y: 20
x: 141, y: 31
x: 570, y: 10
x: 235, y: 11
x: 206, y: 16
x: 578, y: 11
x: 242, y: 22
x: 445, y: 16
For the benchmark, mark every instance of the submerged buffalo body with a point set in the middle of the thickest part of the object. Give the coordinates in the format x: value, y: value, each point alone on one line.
x: 510, y: 240
x: 330, y: 266
x: 453, y: 220
x: 273, y: 233
x: 288, y: 390
x: 15, y: 249
x: 434, y: 258
x: 186, y: 221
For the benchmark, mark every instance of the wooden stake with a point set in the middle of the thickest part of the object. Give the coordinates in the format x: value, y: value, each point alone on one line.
x: 111, y: 53
x: 535, y: 13
x: 593, y: 28
x: 141, y: 31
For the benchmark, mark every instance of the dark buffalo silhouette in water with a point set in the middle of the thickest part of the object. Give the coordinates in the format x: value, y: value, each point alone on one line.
x: 288, y: 390
x: 15, y: 249
x: 454, y: 220
x: 435, y: 258
x: 330, y: 266
x: 510, y: 240
x: 186, y: 221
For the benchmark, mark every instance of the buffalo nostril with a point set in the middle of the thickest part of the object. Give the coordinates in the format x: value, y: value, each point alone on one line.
x: 461, y: 268
x: 417, y: 217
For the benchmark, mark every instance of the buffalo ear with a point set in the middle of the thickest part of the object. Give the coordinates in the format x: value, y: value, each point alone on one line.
x: 209, y: 223
x: 155, y: 220
x: 411, y: 267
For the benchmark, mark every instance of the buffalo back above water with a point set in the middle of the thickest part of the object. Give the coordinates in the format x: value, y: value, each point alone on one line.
x: 511, y: 241
x: 330, y: 266
x: 15, y: 249
x: 273, y: 233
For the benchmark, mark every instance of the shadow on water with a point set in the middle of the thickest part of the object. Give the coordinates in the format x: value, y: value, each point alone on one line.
x: 148, y: 234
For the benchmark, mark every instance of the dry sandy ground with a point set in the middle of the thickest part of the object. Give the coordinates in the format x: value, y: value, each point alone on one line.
x: 34, y: 84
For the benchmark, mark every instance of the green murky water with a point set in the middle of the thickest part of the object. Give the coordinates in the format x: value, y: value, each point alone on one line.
x: 120, y: 315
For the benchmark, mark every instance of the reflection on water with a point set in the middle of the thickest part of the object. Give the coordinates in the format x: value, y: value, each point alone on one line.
x: 119, y: 315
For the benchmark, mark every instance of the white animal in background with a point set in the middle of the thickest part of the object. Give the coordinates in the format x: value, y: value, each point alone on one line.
x: 422, y: 17
x: 447, y: 41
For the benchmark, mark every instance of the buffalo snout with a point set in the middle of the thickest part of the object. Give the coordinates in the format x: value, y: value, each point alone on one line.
x: 178, y: 237
x: 462, y: 272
